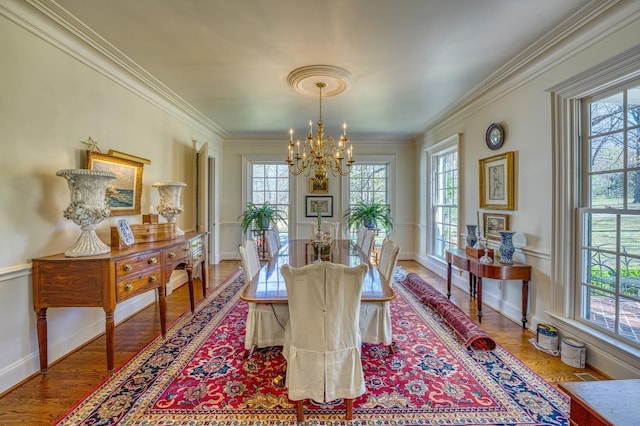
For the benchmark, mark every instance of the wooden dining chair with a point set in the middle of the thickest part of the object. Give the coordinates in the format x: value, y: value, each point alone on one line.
x: 266, y: 322
x: 375, y: 317
x: 322, y: 340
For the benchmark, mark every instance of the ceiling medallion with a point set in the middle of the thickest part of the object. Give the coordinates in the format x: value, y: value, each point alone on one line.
x: 305, y: 79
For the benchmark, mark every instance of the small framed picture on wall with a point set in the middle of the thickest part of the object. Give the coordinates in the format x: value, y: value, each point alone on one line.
x: 318, y: 186
x: 494, y: 223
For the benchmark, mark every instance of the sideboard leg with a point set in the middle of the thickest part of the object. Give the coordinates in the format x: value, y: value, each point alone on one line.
x: 110, y: 330
x: 189, y: 269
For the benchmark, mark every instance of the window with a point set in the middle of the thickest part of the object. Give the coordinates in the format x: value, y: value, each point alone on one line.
x: 368, y: 183
x: 609, y: 262
x: 270, y: 184
x: 444, y: 201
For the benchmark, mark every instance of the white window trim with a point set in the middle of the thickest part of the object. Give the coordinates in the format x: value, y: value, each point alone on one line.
x: 247, y: 162
x: 452, y: 143
x: 390, y: 161
x: 620, y: 359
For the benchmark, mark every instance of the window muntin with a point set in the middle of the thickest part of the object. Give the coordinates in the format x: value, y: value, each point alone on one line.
x: 444, y: 202
x: 270, y: 184
x: 369, y: 183
x: 609, y: 293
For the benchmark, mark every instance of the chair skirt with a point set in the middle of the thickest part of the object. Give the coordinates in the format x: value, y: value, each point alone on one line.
x: 264, y: 328
x: 375, y: 323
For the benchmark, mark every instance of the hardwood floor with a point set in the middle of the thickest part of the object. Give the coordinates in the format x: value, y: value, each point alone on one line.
x: 42, y: 399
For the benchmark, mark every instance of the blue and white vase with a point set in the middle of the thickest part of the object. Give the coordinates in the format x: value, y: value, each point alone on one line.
x: 472, y: 238
x: 506, y: 248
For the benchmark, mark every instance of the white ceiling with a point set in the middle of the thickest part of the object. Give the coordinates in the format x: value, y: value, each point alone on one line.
x: 410, y: 59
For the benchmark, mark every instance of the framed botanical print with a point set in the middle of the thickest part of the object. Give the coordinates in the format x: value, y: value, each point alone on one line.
x: 322, y: 203
x: 125, y: 191
x: 497, y: 182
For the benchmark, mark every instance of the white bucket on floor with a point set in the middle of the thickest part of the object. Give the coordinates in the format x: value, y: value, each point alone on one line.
x: 573, y: 353
x: 547, y: 337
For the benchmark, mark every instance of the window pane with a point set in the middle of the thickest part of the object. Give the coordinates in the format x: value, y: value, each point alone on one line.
x: 629, y: 319
x: 633, y: 109
x: 606, y: 190
x: 607, y: 114
x: 606, y: 153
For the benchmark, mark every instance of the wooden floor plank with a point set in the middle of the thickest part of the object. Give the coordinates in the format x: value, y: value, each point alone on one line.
x: 42, y: 399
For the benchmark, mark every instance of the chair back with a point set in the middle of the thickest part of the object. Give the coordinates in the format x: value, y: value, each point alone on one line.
x: 276, y: 230
x: 250, y: 259
x: 322, y: 338
x: 367, y: 243
x: 273, y: 243
x: 360, y: 236
x: 388, y: 260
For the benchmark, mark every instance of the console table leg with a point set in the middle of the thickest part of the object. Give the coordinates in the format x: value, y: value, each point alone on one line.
x: 42, y: 339
x: 448, y: 281
x: 110, y: 330
x: 525, y: 302
x: 479, y: 295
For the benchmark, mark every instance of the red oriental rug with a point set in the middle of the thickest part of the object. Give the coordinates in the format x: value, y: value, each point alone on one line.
x: 199, y: 376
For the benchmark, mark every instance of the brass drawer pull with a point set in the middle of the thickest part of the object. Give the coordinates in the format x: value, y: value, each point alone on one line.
x: 128, y: 287
x: 128, y: 267
x: 171, y: 255
x: 153, y: 278
x: 152, y: 261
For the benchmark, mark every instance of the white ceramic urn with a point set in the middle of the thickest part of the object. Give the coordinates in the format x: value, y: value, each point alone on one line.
x: 88, y: 208
x: 170, y: 205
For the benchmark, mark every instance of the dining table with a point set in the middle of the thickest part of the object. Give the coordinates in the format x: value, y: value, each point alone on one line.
x: 268, y: 285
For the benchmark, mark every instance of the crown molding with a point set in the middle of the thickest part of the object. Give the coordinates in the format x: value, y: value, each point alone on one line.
x: 53, y: 24
x: 594, y: 22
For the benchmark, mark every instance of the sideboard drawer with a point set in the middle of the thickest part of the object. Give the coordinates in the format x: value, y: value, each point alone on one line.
x: 133, y: 285
x: 137, y: 263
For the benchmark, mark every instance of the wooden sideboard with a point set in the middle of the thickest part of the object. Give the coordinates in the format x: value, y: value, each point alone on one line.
x: 106, y: 280
x: 494, y: 270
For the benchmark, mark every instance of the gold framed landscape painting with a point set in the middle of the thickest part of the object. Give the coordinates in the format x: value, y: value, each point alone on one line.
x: 494, y: 223
x: 318, y: 186
x: 125, y: 191
x: 496, y: 181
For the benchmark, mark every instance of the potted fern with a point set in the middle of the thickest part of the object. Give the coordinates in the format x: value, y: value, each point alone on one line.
x: 370, y: 215
x: 260, y: 216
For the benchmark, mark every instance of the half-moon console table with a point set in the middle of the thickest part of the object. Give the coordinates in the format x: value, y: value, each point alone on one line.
x: 108, y: 279
x: 495, y: 270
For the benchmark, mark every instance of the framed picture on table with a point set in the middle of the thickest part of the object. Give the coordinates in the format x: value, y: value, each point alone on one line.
x: 323, y: 203
x: 494, y: 223
x: 496, y: 180
x: 125, y: 191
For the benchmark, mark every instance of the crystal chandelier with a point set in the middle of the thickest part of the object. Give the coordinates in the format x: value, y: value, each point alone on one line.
x: 319, y: 155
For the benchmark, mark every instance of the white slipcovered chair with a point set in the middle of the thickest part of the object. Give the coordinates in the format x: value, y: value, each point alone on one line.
x: 265, y: 321
x: 333, y: 228
x: 367, y: 243
x: 375, y: 317
x: 322, y: 340
x: 360, y: 236
x: 273, y: 243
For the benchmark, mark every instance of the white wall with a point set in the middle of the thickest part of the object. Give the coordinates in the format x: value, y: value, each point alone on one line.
x: 50, y: 101
x: 523, y: 104
x: 404, y: 186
